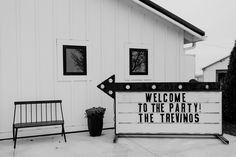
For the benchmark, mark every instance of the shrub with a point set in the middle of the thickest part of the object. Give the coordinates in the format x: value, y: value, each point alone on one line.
x: 95, y: 112
x: 229, y: 90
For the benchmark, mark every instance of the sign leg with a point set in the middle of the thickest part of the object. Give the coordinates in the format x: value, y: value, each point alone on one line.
x: 224, y: 140
x: 115, y: 138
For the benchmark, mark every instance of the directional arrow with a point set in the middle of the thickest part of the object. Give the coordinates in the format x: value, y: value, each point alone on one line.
x: 110, y: 87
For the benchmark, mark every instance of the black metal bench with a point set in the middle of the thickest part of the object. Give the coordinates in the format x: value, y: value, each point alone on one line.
x: 37, y: 114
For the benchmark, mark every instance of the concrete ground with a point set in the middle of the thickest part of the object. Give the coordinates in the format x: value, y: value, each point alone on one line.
x: 82, y: 145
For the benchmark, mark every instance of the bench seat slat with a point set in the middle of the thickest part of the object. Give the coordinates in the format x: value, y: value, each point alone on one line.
x: 38, y: 124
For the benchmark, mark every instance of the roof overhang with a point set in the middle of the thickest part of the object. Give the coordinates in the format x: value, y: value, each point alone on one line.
x: 221, y: 60
x: 191, y: 33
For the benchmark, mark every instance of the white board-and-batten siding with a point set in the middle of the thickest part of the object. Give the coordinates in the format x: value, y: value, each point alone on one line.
x: 31, y: 29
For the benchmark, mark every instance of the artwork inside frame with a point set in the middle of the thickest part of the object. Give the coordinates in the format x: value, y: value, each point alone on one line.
x: 138, y: 61
x: 74, y: 60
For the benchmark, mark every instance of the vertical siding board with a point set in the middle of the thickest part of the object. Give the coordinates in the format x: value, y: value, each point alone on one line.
x: 79, y: 103
x: 182, y: 54
x: 28, y: 69
x: 94, y: 37
x: 171, y: 55
x: 159, y: 48
x: 148, y: 38
x: 78, y: 31
x: 80, y: 94
x: 177, y: 51
x: 108, y: 49
x: 18, y: 47
x: 108, y: 36
x: 62, y: 19
x: 64, y: 92
x: 135, y: 22
x: 36, y: 36
x: 148, y: 28
x: 63, y: 89
x: 1, y: 65
x: 122, y: 37
x: 45, y: 50
x: 78, y: 19
x: 8, y: 63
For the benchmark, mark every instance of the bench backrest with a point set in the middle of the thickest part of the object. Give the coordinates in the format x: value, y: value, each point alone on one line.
x: 37, y: 111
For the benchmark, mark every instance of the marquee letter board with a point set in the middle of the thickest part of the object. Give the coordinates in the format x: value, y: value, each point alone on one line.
x: 178, y: 108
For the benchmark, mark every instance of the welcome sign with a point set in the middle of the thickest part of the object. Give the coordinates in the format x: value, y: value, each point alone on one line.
x: 177, y: 108
x: 169, y: 112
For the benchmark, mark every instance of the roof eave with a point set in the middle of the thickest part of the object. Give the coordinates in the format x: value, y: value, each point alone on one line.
x: 221, y: 60
x: 190, y: 38
x: 192, y: 33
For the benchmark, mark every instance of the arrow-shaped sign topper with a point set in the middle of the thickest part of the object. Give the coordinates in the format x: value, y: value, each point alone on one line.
x: 110, y: 87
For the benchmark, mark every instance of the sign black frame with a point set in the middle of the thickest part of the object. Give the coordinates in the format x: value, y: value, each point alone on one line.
x: 110, y: 87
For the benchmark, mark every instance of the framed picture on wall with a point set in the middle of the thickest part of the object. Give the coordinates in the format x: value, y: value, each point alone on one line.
x: 138, y: 61
x: 74, y: 60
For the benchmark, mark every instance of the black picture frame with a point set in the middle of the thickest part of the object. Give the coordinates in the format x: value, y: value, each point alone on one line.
x: 138, y: 61
x: 74, y: 60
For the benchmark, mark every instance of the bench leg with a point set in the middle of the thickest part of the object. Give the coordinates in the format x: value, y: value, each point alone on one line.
x: 15, y: 136
x: 13, y: 133
x: 63, y: 132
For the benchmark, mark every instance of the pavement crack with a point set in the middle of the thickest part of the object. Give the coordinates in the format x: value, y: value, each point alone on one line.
x: 144, y: 148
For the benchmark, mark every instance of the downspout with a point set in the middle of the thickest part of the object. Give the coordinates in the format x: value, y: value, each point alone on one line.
x: 191, y: 47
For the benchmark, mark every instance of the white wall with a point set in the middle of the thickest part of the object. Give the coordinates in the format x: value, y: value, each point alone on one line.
x: 29, y: 32
x: 189, y: 68
x: 209, y: 73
